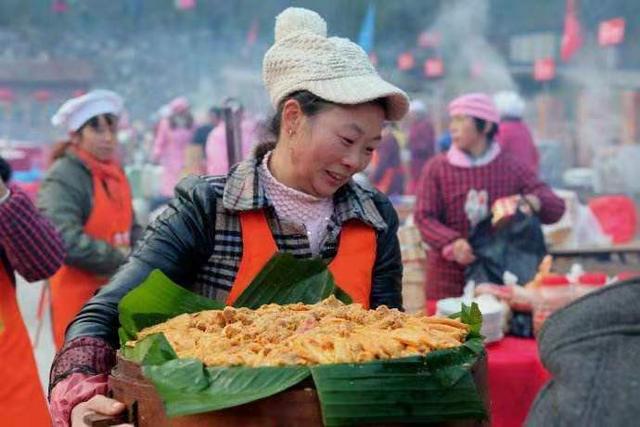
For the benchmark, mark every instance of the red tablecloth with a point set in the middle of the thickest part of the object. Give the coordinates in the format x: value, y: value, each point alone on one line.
x: 516, y: 375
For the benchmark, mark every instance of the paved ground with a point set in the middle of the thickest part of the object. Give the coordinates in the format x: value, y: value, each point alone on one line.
x: 28, y: 295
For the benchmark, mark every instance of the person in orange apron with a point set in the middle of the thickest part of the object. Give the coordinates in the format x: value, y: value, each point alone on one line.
x: 295, y: 195
x: 87, y: 196
x: 31, y: 246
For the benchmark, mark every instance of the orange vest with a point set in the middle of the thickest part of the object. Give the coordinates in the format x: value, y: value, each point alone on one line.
x: 110, y: 220
x: 352, y: 267
x: 22, y: 400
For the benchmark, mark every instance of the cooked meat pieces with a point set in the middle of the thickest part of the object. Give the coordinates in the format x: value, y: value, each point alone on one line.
x: 299, y: 334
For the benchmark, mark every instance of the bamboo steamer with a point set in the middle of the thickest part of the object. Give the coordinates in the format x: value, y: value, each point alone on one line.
x: 297, y: 406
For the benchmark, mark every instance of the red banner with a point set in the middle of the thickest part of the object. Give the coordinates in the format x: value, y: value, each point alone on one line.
x: 544, y: 69
x: 6, y: 94
x: 611, y: 32
x: 433, y: 67
x: 406, y: 61
x: 42, y: 95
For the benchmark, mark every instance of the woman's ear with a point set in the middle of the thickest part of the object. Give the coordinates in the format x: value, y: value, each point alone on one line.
x: 291, y: 117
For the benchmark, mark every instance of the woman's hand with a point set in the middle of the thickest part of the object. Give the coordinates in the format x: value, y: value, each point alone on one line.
x: 462, y: 252
x: 98, y: 404
x: 532, y: 202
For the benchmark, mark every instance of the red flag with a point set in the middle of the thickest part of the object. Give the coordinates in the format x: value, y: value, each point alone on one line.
x: 611, y: 32
x: 185, y: 4
x: 572, y: 37
x: 60, y: 6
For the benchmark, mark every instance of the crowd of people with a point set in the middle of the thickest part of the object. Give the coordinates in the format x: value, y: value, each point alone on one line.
x: 287, y: 186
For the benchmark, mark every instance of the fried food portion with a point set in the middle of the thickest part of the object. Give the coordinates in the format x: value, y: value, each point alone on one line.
x: 299, y: 334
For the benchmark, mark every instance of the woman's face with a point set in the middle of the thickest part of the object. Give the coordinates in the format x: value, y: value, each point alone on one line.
x: 464, y: 134
x: 99, y: 140
x: 332, y: 146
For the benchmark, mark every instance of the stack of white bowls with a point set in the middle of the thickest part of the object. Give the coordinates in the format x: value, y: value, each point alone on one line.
x: 493, y: 316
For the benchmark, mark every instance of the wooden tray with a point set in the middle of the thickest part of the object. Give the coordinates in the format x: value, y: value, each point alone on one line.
x: 297, y: 406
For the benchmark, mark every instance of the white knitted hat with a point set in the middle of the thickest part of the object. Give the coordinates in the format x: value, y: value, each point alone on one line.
x: 333, y: 68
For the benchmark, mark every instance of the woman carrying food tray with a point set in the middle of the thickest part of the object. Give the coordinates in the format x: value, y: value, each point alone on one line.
x: 295, y: 195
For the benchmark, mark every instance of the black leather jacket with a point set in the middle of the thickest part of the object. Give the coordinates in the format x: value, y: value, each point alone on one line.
x: 182, y: 240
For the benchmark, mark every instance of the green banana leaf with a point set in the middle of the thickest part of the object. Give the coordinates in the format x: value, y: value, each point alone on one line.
x: 434, y: 388
x: 423, y: 389
x: 151, y: 350
x: 287, y: 280
x: 187, y: 387
x: 156, y: 300
x: 472, y: 316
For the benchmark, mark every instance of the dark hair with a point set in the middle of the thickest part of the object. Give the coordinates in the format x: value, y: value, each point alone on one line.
x: 94, y: 121
x: 5, y: 170
x: 310, y: 104
x: 480, y: 125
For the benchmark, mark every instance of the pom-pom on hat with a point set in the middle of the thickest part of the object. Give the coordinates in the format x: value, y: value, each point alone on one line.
x: 333, y: 68
x: 477, y: 105
x: 75, y: 112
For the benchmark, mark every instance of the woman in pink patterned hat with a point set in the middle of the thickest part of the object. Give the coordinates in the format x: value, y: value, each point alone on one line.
x: 457, y: 189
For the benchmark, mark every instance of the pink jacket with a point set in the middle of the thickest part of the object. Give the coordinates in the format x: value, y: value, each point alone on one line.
x: 515, y: 139
x: 169, y: 151
x: 216, y: 148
